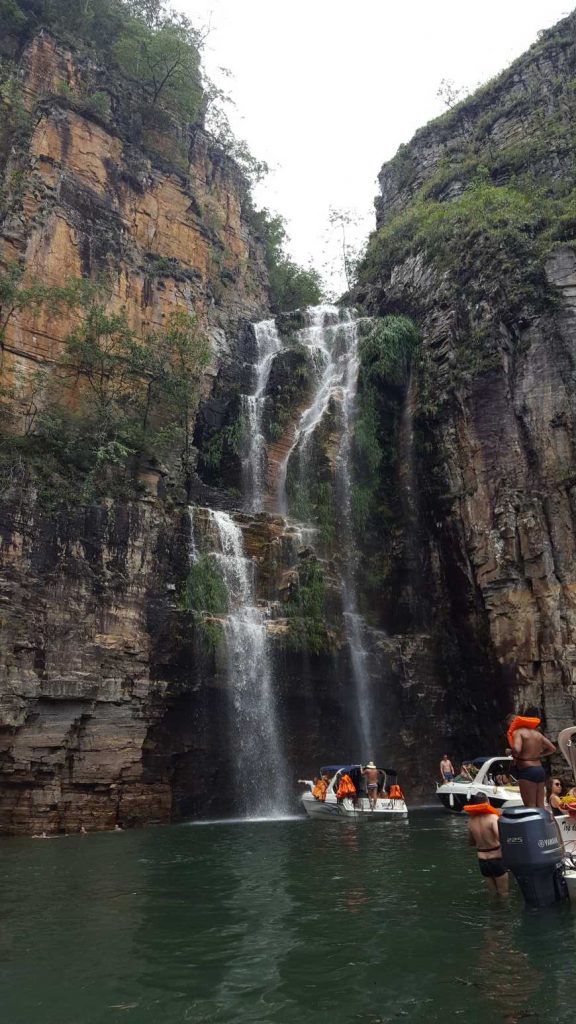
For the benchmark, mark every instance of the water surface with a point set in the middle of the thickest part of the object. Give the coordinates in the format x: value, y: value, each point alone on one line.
x: 294, y: 922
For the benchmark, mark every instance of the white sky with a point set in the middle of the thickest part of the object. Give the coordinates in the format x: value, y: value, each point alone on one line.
x: 326, y: 90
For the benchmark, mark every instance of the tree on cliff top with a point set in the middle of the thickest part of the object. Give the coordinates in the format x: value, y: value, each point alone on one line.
x: 162, y: 54
x: 291, y: 286
x: 156, y: 47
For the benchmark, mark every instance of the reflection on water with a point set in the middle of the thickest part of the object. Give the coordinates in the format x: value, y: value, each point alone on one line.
x: 292, y: 922
x: 261, y: 904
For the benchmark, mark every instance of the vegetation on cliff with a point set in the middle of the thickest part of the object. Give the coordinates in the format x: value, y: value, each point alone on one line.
x: 387, y: 350
x: 117, y: 402
x: 157, y: 49
x: 291, y: 287
x: 490, y: 201
x: 112, y: 404
x: 306, y: 610
x: 158, y: 53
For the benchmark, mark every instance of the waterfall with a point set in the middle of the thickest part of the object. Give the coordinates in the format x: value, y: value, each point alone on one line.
x: 268, y: 344
x: 354, y: 623
x: 318, y: 338
x: 254, y: 728
x: 331, y: 336
x: 254, y: 733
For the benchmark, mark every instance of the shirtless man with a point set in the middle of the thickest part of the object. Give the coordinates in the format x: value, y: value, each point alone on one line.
x: 528, y: 747
x: 446, y: 769
x: 483, y: 834
x: 371, y: 774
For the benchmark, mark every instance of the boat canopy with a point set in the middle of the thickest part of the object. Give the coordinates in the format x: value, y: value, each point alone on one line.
x: 478, y: 761
x: 331, y: 769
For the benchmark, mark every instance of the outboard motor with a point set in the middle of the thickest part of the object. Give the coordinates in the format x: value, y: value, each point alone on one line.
x: 532, y: 851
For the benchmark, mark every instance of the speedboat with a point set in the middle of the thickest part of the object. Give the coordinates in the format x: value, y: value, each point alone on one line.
x: 389, y: 804
x: 490, y: 777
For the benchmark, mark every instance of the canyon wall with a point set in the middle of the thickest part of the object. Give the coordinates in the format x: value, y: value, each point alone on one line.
x: 160, y: 218
x: 115, y: 694
x: 474, y: 240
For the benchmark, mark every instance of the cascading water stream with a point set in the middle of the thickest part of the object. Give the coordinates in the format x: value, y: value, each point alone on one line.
x: 332, y: 339
x: 254, y: 728
x: 268, y: 344
x: 354, y: 623
x: 316, y: 338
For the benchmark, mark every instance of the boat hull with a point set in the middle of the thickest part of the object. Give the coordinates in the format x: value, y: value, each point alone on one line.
x: 570, y: 877
x: 357, y: 809
x: 567, y: 825
x: 454, y: 797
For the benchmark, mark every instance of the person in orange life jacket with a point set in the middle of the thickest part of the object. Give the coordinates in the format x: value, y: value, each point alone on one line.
x: 528, y: 746
x: 345, y: 787
x: 483, y: 834
x: 320, y: 786
x: 371, y: 774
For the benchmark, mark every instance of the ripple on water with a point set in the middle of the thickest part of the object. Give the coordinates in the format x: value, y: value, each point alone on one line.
x: 292, y: 922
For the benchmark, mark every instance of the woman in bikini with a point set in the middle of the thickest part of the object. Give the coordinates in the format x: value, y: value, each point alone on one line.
x: 528, y: 747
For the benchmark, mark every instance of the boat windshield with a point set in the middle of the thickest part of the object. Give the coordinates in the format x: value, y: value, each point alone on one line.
x: 488, y: 771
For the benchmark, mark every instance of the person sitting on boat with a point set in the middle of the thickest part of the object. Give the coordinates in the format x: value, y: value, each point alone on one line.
x: 467, y: 772
x: 320, y: 786
x: 446, y: 769
x: 554, y: 794
x: 345, y: 787
x: 483, y: 834
x: 372, y: 776
x: 528, y: 746
x: 503, y: 780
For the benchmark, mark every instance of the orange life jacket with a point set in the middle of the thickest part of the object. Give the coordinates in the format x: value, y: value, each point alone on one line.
x: 345, y: 787
x: 395, y: 793
x: 480, y: 809
x: 319, y: 790
x: 520, y: 722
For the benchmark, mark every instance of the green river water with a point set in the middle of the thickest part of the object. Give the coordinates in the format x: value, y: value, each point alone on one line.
x: 296, y: 922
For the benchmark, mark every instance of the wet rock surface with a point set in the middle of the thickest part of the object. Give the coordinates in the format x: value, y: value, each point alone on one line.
x: 496, y: 417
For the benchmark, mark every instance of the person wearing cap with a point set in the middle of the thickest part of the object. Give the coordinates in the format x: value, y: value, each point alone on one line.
x: 371, y: 774
x: 483, y: 834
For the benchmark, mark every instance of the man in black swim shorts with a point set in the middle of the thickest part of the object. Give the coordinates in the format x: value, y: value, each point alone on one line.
x: 528, y: 746
x: 483, y: 834
x: 493, y: 868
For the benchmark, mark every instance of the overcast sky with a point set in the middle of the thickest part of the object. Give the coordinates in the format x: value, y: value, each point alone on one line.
x: 326, y: 90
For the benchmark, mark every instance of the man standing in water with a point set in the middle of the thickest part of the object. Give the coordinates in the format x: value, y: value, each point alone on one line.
x: 483, y: 834
x: 528, y: 746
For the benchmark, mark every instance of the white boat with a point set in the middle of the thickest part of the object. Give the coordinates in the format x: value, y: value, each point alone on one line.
x: 386, y: 806
x: 484, y: 776
x: 567, y: 822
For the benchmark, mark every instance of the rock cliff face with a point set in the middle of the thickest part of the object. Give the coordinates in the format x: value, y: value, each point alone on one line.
x: 115, y: 693
x: 493, y: 289
x: 163, y: 221
x: 87, y: 596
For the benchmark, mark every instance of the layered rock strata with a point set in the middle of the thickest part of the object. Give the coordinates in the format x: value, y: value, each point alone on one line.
x: 497, y: 415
